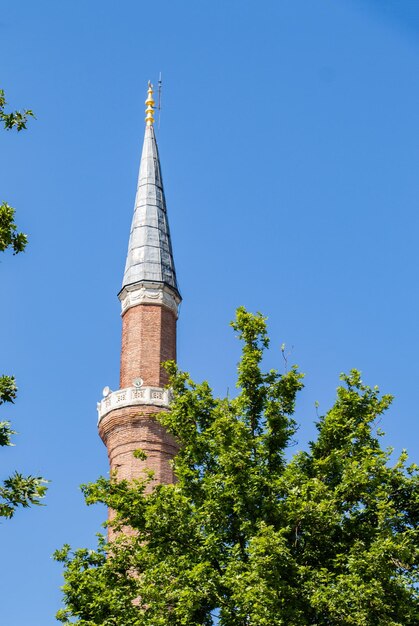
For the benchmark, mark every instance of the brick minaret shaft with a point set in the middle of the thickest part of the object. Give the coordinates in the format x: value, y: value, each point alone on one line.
x: 150, y: 300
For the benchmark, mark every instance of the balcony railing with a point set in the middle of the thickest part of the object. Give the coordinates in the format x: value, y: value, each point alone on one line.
x: 133, y: 396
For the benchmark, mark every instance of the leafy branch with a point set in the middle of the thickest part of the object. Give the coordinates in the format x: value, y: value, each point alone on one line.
x: 14, y: 119
x: 9, y: 235
x: 16, y: 490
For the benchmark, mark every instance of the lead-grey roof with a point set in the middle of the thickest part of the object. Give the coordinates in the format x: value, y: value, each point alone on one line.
x: 150, y: 256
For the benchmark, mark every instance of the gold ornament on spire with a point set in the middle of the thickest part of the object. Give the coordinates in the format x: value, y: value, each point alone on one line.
x: 149, y: 112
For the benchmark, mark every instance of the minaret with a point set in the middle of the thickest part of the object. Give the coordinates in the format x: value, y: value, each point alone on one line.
x: 150, y: 300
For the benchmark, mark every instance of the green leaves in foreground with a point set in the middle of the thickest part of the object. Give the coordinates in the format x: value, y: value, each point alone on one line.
x: 9, y: 236
x: 17, y: 490
x: 249, y: 536
x: 13, y: 119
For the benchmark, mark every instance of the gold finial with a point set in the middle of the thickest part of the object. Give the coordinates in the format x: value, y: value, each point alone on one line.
x: 149, y: 119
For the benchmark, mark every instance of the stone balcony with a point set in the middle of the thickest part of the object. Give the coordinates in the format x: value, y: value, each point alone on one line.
x: 133, y: 396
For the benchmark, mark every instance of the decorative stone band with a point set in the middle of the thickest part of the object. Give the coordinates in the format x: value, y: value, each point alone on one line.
x: 133, y: 396
x: 149, y: 293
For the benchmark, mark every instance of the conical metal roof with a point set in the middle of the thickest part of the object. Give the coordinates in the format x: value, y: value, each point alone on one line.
x: 150, y: 256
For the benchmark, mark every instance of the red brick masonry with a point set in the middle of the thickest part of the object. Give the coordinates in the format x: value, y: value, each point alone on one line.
x: 125, y: 430
x: 148, y: 339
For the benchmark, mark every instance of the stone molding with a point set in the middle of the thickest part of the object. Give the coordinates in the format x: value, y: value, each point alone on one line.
x: 149, y: 293
x: 133, y: 396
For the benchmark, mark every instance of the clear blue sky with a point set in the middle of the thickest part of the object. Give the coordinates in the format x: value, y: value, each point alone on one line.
x: 289, y: 142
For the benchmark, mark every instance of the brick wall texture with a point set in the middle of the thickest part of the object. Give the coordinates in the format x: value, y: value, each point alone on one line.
x: 148, y: 339
x: 125, y: 430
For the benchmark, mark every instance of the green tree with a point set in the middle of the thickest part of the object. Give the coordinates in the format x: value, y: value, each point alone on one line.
x: 249, y: 536
x: 13, y: 119
x: 9, y: 236
x: 17, y: 490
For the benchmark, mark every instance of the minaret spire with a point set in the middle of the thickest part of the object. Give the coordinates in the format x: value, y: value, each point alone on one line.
x: 149, y: 299
x: 150, y: 257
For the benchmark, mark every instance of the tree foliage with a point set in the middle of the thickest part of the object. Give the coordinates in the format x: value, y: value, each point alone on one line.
x: 14, y: 119
x: 250, y: 535
x: 9, y: 236
x: 17, y: 490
